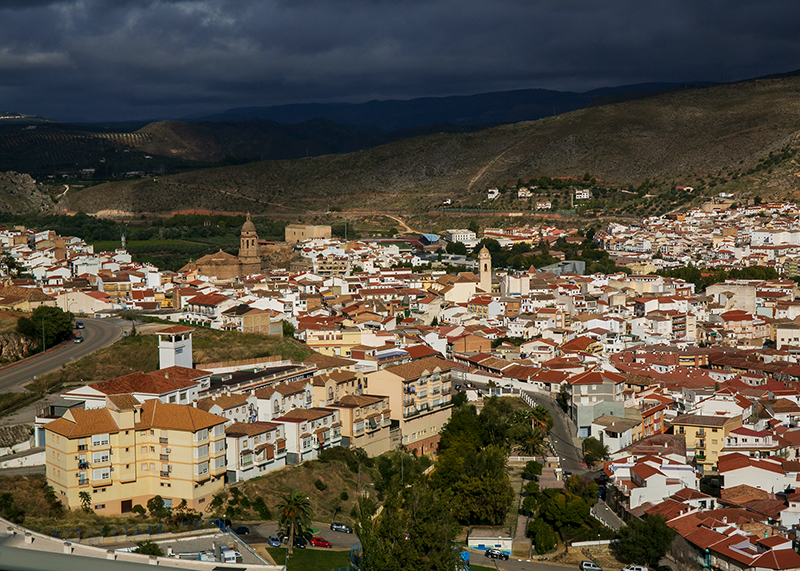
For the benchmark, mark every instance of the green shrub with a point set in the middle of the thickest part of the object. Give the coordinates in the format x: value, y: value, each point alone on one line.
x: 320, y: 485
x: 543, y: 536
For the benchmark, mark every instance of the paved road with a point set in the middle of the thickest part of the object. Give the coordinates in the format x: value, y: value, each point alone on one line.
x: 605, y: 514
x: 561, y: 435
x: 514, y: 564
x: 98, y: 333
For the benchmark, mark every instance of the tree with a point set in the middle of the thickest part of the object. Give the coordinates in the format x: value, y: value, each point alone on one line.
x: 86, y: 501
x: 294, y: 514
x: 457, y: 248
x: 533, y: 441
x: 148, y: 547
x: 594, y: 451
x: 288, y: 328
x: 563, y: 398
x: 155, y: 506
x: 645, y: 541
x: 139, y: 510
x: 474, y: 226
x: 543, y: 536
x: 52, y: 323
x: 541, y: 418
x: 415, y: 530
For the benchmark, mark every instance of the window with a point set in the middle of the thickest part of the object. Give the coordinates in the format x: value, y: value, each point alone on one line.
x: 219, y: 446
x: 101, y: 474
x: 152, y: 449
x: 152, y: 433
x: 152, y: 465
x: 247, y: 459
x: 100, y: 506
x: 99, y: 439
x: 219, y: 462
x: 219, y: 430
x: 144, y: 466
x: 201, y: 451
x: 143, y: 433
x: 201, y: 434
x: 201, y: 469
x: 98, y: 457
x: 144, y: 449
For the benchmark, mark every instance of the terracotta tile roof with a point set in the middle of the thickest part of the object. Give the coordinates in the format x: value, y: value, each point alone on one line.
x: 416, y: 369
x: 156, y: 414
x: 327, y: 361
x: 175, y: 329
x: 250, y: 428
x: 155, y: 383
x: 301, y: 414
x: 84, y: 423
x: 223, y: 401
x: 352, y: 401
x: 700, y: 420
x: 123, y: 401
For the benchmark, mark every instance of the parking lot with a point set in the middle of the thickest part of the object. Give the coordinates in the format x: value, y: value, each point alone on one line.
x: 259, y: 532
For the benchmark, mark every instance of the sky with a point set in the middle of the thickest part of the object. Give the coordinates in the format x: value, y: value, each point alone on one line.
x: 99, y: 60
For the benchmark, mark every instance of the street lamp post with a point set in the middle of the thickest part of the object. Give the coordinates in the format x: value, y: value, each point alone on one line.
x: 44, y: 347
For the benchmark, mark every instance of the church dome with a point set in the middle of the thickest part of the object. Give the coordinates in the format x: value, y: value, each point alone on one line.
x: 248, y: 226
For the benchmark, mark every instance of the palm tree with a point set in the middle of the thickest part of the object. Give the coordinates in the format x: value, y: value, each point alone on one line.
x: 86, y: 501
x: 533, y: 441
x: 541, y: 418
x: 294, y: 512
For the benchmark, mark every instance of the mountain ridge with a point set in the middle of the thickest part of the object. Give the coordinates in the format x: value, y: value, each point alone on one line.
x: 711, y: 138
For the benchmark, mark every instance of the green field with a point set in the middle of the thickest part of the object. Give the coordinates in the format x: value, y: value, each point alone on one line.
x: 311, y: 559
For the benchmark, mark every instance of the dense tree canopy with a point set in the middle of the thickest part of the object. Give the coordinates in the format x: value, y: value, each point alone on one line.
x: 645, y: 541
x: 415, y: 530
x: 51, y: 322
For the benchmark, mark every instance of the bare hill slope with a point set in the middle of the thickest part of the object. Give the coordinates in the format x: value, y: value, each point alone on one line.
x: 707, y: 137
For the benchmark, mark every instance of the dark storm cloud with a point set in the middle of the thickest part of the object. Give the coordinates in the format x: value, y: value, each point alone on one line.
x: 121, y: 59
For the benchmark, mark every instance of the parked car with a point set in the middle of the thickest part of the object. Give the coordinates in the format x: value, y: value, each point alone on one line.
x: 319, y: 542
x: 508, y: 387
x: 299, y: 542
x: 493, y: 553
x: 242, y: 530
x: 589, y: 566
x: 273, y: 541
x: 79, y: 325
x: 634, y: 568
x: 78, y: 339
x: 336, y: 526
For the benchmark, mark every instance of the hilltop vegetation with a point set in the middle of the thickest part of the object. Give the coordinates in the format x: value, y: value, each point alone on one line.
x: 713, y: 139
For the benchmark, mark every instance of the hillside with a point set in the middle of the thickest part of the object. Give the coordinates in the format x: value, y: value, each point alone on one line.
x: 19, y: 194
x: 716, y: 137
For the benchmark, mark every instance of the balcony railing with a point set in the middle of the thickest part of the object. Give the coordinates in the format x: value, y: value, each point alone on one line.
x: 164, y: 457
x: 163, y: 440
x: 83, y: 465
x: 164, y: 474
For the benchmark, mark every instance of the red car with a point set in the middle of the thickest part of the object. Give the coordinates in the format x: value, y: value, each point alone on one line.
x: 319, y: 542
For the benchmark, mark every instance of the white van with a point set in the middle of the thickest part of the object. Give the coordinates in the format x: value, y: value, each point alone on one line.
x: 227, y: 555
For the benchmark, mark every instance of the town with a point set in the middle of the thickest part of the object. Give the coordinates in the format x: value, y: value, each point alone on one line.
x: 670, y: 384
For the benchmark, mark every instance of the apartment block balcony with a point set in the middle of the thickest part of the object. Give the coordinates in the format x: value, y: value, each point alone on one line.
x: 163, y: 440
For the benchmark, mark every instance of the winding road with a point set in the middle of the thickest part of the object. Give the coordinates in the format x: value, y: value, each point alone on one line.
x: 98, y: 333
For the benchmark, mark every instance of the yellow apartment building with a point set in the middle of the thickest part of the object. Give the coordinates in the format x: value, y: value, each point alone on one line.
x: 419, y: 399
x: 366, y: 422
x: 128, y: 452
x: 705, y: 437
